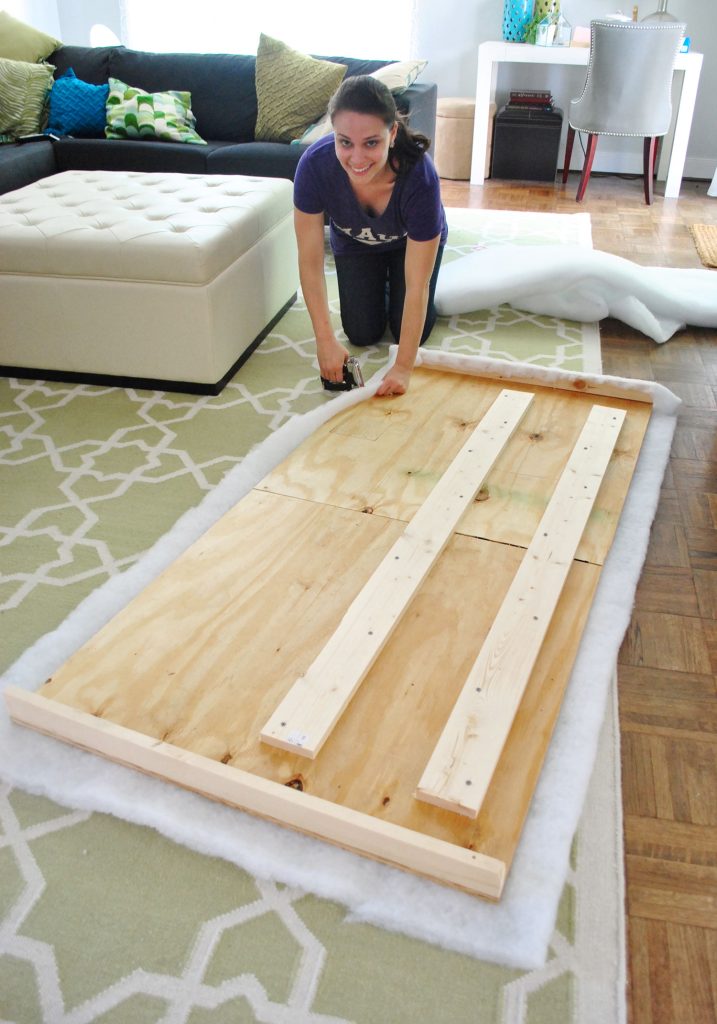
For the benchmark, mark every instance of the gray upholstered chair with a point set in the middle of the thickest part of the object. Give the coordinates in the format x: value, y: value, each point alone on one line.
x: 627, y: 90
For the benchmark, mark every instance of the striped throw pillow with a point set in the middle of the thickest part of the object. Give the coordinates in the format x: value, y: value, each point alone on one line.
x: 24, y: 90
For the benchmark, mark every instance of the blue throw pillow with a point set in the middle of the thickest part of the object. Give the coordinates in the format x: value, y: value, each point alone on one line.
x: 76, y: 107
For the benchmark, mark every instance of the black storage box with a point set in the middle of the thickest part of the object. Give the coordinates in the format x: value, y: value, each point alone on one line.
x: 525, y: 143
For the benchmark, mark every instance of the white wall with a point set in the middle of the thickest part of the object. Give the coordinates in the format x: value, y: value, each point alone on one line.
x: 42, y: 14
x: 78, y: 16
x: 447, y: 35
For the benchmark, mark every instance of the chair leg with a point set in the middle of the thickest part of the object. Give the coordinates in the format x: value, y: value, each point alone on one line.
x: 649, y: 154
x: 587, y: 167
x: 570, y: 139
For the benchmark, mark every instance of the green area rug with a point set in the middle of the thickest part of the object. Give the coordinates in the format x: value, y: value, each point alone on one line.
x: 102, y: 920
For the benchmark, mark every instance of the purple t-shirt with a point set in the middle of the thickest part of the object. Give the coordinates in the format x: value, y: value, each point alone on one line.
x: 414, y: 211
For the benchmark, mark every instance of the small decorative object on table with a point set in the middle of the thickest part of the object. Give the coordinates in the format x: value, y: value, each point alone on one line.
x: 516, y: 17
x: 545, y: 32
x: 545, y: 11
x: 563, y: 32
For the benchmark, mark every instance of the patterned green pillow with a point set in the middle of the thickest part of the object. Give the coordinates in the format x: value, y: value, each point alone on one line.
x: 24, y: 89
x: 19, y: 41
x: 135, y: 114
x: 292, y: 89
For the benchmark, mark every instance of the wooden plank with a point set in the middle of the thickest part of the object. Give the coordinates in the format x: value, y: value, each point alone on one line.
x: 464, y: 760
x: 303, y: 720
x: 392, y: 844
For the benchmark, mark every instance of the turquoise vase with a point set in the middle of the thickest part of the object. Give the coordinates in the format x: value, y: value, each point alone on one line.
x: 516, y: 17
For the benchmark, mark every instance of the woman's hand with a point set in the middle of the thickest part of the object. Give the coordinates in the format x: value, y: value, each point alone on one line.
x: 419, y: 264
x: 395, y: 381
x: 310, y: 240
x: 332, y: 356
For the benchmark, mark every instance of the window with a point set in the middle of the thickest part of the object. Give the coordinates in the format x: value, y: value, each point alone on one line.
x: 379, y: 29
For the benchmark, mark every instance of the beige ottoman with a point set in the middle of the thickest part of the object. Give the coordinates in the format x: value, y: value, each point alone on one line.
x: 169, y: 280
x: 453, y: 146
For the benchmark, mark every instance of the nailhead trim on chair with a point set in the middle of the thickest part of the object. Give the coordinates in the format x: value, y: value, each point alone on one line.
x: 630, y: 26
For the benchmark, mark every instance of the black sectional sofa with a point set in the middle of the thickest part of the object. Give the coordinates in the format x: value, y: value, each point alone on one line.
x: 224, y: 103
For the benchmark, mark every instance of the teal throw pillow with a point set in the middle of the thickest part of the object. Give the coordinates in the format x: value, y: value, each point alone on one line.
x: 135, y: 114
x: 77, y: 108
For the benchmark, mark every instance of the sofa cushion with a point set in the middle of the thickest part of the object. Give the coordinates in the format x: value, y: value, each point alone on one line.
x: 130, y: 155
x: 23, y: 97
x: 263, y: 159
x: 21, y: 165
x: 90, y: 63
x: 221, y: 84
x: 293, y: 90
x: 19, y: 41
x: 133, y: 113
x: 77, y: 107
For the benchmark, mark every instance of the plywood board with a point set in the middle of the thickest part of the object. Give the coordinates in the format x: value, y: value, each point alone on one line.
x: 385, y: 458
x: 181, y: 681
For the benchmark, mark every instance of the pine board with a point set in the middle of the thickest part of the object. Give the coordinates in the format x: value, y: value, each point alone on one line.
x: 181, y: 681
x: 306, y: 716
x: 462, y: 765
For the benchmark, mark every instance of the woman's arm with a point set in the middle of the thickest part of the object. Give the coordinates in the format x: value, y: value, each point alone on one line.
x: 420, y: 260
x: 332, y: 355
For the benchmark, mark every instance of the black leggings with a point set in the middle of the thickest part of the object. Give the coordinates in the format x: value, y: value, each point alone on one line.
x: 372, y: 290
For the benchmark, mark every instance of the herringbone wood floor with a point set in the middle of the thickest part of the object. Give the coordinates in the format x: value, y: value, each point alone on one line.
x: 667, y: 668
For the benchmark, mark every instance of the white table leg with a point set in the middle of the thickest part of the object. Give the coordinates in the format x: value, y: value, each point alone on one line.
x: 486, y: 80
x: 683, y: 122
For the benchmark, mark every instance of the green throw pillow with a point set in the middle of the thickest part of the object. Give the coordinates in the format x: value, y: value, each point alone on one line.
x: 19, y: 41
x: 135, y: 114
x: 24, y: 89
x: 292, y: 89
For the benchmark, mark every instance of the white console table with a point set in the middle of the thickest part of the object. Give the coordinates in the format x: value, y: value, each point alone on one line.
x: 492, y: 54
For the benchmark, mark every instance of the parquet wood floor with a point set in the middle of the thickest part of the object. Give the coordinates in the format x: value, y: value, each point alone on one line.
x: 667, y: 671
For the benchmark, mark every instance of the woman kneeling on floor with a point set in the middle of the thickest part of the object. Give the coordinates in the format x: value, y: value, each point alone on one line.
x: 380, y: 190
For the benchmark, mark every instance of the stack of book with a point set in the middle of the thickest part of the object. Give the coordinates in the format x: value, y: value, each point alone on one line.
x: 530, y: 99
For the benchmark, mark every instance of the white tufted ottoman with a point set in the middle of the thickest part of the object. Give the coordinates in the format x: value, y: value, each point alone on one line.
x: 158, y: 279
